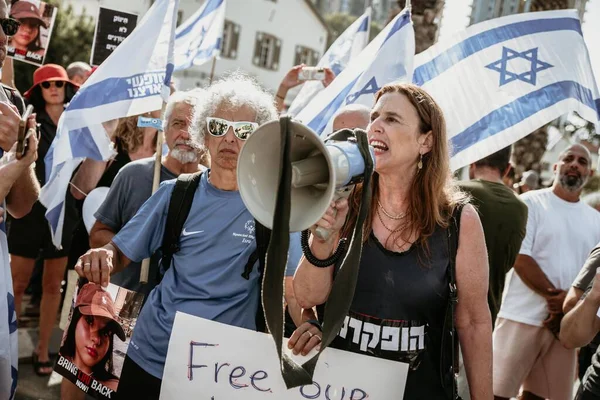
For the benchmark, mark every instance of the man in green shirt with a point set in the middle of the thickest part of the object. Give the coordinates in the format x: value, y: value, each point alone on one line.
x: 503, y: 216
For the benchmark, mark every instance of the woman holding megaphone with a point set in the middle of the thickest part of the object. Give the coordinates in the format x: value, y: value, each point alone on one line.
x: 423, y: 250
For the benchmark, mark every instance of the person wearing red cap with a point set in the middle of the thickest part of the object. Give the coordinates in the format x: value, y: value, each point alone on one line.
x: 30, y: 235
x: 27, y: 38
x: 88, y: 341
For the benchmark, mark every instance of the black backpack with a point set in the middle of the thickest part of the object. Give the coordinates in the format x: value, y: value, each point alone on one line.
x: 180, y: 204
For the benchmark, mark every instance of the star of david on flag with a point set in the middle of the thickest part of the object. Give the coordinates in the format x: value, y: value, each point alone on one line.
x: 200, y: 37
x: 388, y: 58
x: 529, y: 76
x: 502, y: 79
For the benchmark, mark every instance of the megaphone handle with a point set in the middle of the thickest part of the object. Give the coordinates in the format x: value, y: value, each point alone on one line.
x: 323, y: 233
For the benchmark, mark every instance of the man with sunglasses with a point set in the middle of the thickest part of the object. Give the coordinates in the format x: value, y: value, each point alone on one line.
x: 208, y: 275
x: 133, y: 184
x: 18, y: 191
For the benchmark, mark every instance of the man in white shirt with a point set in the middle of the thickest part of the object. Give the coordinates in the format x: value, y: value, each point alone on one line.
x: 561, y: 232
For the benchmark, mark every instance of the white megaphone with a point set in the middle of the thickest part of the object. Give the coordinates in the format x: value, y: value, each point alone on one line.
x: 320, y: 172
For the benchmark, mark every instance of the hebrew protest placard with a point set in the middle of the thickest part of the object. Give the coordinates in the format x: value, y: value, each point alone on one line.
x: 95, y: 340
x: 112, y: 28
x: 212, y: 361
x: 31, y: 41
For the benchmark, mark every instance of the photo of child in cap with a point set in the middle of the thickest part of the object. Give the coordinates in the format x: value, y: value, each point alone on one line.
x: 96, y: 338
x: 31, y: 40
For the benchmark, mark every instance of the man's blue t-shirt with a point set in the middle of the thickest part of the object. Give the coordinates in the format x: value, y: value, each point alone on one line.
x: 205, y: 278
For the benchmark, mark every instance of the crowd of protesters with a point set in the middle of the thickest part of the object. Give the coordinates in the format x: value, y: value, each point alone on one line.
x: 525, y: 256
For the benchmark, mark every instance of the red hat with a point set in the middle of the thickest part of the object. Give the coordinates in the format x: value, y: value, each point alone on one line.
x: 49, y: 73
x: 24, y: 9
x: 93, y: 300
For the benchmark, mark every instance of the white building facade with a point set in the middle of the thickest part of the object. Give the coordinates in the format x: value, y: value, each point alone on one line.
x: 263, y: 38
x: 482, y: 10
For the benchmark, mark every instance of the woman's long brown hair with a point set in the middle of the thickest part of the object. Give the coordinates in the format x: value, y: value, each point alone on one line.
x: 434, y: 194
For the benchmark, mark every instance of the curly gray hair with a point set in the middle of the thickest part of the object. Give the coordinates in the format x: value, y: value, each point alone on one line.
x: 235, y: 90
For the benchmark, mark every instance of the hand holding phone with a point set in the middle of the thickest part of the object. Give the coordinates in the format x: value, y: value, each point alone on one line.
x: 22, y: 137
x: 311, y: 74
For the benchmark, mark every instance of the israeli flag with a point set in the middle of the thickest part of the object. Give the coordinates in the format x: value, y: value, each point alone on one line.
x: 200, y: 38
x: 133, y: 80
x: 500, y: 80
x: 9, y: 347
x: 388, y: 58
x: 343, y: 50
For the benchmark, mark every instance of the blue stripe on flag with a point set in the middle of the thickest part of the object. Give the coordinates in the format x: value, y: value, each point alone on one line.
x: 83, y: 144
x: 520, y: 109
x: 483, y: 40
x: 364, y: 27
x: 212, y: 6
x: 320, y: 121
x: 111, y: 90
x: 597, y: 101
x: 53, y: 215
x: 169, y: 73
x: 399, y: 24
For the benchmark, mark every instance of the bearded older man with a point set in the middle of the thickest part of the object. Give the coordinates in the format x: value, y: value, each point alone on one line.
x: 133, y: 185
x: 561, y: 232
x: 208, y: 276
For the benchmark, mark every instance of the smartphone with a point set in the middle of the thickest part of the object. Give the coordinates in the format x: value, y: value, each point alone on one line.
x: 22, y: 138
x: 311, y: 74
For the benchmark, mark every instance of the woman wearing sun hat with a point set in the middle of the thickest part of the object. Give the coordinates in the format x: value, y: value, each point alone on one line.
x: 29, y: 237
x: 27, y: 37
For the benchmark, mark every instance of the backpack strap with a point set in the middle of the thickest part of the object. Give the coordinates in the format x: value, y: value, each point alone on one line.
x: 180, y: 204
x: 449, y: 368
x: 263, y: 237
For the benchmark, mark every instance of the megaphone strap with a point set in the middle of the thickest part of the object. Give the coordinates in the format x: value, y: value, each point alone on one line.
x: 342, y: 291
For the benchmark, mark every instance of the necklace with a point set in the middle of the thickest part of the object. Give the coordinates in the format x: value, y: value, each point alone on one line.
x: 384, y: 225
x: 396, y: 217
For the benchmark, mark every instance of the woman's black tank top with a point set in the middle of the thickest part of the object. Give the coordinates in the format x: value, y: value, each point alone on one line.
x: 398, y: 311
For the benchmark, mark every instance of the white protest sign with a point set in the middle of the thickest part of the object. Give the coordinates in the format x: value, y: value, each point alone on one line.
x: 212, y: 361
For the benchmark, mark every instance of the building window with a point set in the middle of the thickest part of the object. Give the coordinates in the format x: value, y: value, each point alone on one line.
x: 266, y: 51
x: 305, y: 55
x: 231, y: 35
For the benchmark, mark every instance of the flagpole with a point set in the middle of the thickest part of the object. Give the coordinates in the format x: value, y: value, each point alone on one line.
x: 212, y: 70
x: 144, y: 272
x: 145, y: 268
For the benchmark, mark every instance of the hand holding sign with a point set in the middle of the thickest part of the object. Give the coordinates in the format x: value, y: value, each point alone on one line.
x: 209, y: 360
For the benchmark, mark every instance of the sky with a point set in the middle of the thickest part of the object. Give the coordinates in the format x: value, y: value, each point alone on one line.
x: 457, y: 13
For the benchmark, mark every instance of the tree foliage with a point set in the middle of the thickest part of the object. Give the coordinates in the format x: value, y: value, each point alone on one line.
x: 339, y: 22
x: 71, y: 41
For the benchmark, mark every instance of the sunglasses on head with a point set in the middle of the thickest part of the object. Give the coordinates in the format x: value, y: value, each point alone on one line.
x: 9, y: 26
x: 218, y: 127
x: 58, y: 84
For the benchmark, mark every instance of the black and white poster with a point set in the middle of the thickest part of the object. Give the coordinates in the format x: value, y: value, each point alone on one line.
x: 112, y: 28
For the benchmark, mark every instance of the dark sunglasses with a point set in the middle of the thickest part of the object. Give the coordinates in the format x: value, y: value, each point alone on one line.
x: 58, y: 84
x: 219, y: 127
x: 9, y: 26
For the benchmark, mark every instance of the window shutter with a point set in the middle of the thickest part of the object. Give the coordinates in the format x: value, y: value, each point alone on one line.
x: 315, y: 58
x: 235, y: 37
x: 257, y: 42
x: 276, y: 54
x: 298, y: 55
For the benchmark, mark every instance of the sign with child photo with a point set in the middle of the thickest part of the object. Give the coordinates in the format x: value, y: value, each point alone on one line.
x: 96, y: 337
